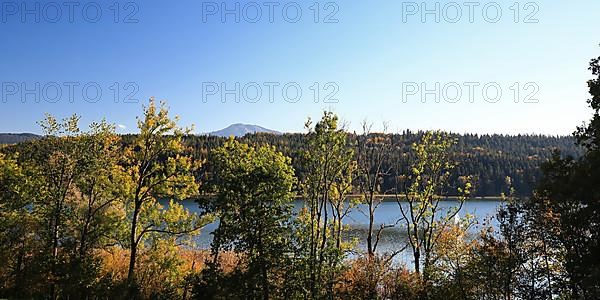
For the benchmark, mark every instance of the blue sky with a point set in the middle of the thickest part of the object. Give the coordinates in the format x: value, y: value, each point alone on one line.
x: 365, y: 54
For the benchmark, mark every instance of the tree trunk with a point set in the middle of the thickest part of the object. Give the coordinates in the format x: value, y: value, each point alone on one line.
x: 55, y: 236
x: 426, y: 262
x: 132, y: 288
x: 370, y: 249
x: 263, y: 267
x: 417, y: 257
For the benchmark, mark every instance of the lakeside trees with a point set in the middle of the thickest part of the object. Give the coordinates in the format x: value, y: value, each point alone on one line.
x: 253, y: 204
x: 546, y: 246
x: 83, y: 215
x: 157, y: 168
x: 328, y: 163
x: 488, y: 158
x: 63, y: 206
x: 373, y: 151
x: 419, y: 193
x: 567, y: 202
x: 17, y: 227
x: 68, y: 199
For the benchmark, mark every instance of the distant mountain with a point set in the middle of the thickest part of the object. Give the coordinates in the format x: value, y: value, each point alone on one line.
x: 13, y: 138
x: 240, y: 130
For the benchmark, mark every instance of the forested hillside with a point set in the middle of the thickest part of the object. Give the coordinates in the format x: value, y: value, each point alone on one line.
x: 488, y: 158
x: 13, y: 138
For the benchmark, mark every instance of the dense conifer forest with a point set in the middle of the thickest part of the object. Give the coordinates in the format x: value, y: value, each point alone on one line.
x: 488, y: 158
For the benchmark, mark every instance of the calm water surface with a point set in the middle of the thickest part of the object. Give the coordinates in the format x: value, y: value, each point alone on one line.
x: 387, y: 213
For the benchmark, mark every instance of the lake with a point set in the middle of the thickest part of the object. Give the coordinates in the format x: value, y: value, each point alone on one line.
x: 387, y: 213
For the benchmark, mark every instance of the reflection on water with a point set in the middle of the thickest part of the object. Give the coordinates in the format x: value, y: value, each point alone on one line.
x: 387, y: 213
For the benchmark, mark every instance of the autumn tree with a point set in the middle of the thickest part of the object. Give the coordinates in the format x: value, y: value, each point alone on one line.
x: 59, y: 164
x: 19, y: 275
x: 567, y: 202
x: 512, y: 260
x: 57, y: 173
x: 158, y: 168
x: 97, y: 208
x: 253, y: 203
x: 372, y: 155
x: 419, y: 193
x: 329, y: 169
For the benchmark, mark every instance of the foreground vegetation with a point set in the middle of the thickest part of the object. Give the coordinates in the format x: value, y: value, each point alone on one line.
x: 80, y: 217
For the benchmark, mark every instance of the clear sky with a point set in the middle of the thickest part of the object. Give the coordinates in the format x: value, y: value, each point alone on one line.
x: 375, y: 58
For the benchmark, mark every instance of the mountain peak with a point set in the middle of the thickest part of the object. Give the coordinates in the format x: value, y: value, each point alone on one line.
x: 240, y: 129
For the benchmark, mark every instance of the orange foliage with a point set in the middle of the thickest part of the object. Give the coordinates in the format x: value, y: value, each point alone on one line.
x: 162, y: 271
x: 377, y: 278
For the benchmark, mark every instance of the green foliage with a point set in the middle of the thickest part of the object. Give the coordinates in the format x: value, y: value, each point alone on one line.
x: 71, y: 195
x: 253, y: 203
x: 17, y: 229
x: 547, y: 247
x: 588, y: 135
x: 158, y: 168
x: 419, y: 194
x: 567, y: 202
x: 328, y: 164
x: 64, y: 206
x: 488, y: 158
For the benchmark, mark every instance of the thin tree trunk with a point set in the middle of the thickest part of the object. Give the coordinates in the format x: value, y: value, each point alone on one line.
x: 55, y: 236
x: 370, y: 249
x: 417, y: 257
x: 263, y: 267
x: 132, y: 288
